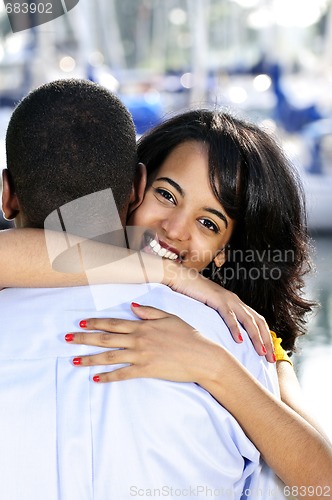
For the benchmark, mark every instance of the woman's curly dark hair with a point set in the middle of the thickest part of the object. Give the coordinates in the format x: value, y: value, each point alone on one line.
x: 268, y: 253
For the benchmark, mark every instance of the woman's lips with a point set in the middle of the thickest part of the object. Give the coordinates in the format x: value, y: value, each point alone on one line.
x: 160, y: 248
x: 162, y: 251
x: 168, y: 247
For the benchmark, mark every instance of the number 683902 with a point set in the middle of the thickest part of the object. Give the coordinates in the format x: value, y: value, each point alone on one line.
x: 307, y: 491
x: 28, y: 8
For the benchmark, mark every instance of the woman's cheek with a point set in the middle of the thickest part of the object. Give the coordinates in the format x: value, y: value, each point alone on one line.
x: 198, y: 258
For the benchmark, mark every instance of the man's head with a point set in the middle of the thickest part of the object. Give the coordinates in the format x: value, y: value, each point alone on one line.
x: 65, y: 140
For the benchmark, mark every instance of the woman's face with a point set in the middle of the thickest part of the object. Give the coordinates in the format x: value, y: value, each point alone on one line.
x: 185, y: 220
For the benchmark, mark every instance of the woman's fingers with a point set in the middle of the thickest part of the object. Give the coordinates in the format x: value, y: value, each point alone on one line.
x: 259, y: 333
x: 253, y: 331
x: 112, y: 357
x: 253, y: 323
x: 125, y: 373
x: 148, y: 312
x: 101, y: 339
x: 118, y: 334
x: 232, y: 323
x: 116, y: 325
x: 234, y: 311
x: 112, y: 325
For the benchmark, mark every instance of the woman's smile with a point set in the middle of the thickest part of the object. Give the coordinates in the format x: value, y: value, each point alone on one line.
x: 155, y: 246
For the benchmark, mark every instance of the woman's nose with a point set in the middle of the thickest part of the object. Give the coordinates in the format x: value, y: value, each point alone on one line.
x: 176, y: 227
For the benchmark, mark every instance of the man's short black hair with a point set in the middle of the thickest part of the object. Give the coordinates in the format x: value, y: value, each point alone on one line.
x: 67, y: 139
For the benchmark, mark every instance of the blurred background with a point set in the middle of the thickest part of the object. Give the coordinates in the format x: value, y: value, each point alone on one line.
x: 266, y: 60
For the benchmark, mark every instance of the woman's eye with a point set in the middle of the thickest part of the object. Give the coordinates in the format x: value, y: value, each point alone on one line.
x: 165, y: 194
x: 209, y: 225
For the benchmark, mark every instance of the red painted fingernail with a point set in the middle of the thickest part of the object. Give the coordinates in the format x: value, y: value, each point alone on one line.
x: 83, y: 323
x: 96, y: 378
x: 69, y: 337
x: 274, y: 357
x: 134, y: 304
x: 240, y: 338
x: 264, y: 349
x: 77, y: 361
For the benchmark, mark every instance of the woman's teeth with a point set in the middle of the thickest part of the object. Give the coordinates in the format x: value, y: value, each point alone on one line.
x: 162, y: 252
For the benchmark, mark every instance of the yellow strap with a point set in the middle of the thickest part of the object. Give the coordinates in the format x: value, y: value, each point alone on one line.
x: 280, y: 353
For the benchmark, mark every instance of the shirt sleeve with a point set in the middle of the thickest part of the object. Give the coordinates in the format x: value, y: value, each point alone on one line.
x: 280, y: 353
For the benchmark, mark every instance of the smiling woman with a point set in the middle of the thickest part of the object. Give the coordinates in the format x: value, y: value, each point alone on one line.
x: 188, y: 221
x: 220, y: 189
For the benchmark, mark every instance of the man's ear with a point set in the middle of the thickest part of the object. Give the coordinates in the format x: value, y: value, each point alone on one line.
x: 220, y: 258
x: 138, y: 189
x: 10, y: 204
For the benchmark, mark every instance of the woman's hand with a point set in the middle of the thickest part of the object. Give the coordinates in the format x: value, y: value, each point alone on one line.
x: 163, y: 346
x: 228, y: 304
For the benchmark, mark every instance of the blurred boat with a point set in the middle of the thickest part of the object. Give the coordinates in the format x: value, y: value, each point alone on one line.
x: 318, y: 190
x: 311, y: 153
x: 317, y: 176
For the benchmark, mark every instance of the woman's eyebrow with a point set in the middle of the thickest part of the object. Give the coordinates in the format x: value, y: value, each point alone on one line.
x: 181, y: 191
x: 172, y: 183
x: 218, y: 214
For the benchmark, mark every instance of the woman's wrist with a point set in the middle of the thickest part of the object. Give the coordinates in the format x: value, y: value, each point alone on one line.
x: 222, y: 374
x: 177, y: 276
x: 212, y: 368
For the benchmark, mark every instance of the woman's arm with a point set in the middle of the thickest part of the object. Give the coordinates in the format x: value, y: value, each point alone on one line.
x: 37, y: 258
x: 291, y: 394
x: 168, y: 348
x: 25, y: 261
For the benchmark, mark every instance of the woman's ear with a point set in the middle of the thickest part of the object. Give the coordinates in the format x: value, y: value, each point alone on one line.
x: 220, y: 258
x: 138, y: 189
x: 10, y: 204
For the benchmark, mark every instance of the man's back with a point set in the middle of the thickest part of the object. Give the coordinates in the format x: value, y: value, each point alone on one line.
x: 63, y: 436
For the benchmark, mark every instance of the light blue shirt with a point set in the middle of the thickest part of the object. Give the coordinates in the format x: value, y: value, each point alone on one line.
x: 63, y: 437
